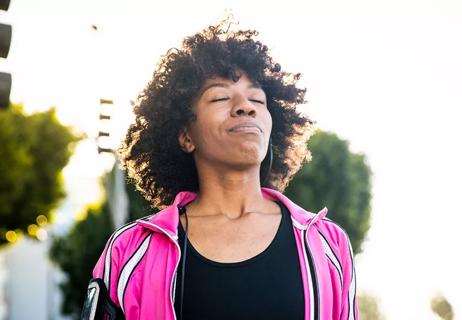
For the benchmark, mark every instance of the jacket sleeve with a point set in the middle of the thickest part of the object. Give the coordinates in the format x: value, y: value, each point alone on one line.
x: 349, y: 303
x: 101, y: 300
x: 107, y: 268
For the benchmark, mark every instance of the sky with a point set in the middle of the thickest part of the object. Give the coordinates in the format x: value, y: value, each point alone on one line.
x: 384, y: 75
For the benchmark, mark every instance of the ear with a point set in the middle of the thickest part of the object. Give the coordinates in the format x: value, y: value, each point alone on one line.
x: 185, y: 141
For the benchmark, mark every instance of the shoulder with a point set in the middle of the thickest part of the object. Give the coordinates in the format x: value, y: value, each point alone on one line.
x: 126, y: 240
x: 333, y: 235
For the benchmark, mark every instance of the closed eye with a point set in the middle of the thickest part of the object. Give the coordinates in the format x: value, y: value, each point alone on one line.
x: 219, y: 99
x: 257, y: 101
x: 227, y: 98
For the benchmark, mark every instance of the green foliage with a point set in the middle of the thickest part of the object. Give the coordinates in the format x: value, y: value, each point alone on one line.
x: 338, y: 179
x: 441, y: 306
x: 77, y: 253
x: 369, y: 307
x: 34, y: 149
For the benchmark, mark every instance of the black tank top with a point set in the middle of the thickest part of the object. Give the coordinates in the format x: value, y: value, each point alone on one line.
x: 266, y: 286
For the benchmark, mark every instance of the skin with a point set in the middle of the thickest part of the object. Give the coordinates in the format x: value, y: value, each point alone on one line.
x: 230, y: 220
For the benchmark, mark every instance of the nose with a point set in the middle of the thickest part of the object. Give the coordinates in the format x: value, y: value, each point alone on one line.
x: 243, y: 107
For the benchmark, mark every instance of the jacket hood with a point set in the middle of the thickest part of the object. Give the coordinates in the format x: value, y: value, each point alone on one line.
x: 167, y: 219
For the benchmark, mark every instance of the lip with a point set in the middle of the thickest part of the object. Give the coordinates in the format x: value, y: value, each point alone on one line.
x: 246, y: 127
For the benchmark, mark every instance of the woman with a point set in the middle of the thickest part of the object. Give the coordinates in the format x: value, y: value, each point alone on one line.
x: 216, y: 140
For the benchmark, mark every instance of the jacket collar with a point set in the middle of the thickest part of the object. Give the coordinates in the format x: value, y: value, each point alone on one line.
x: 167, y: 219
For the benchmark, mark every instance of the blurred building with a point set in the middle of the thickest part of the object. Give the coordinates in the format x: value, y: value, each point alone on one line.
x: 29, y: 283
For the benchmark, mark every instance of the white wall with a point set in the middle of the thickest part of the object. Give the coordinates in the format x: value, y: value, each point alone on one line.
x: 30, y: 282
x: 3, y: 275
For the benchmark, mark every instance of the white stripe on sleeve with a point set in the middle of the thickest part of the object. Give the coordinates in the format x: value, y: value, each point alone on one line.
x: 128, y: 269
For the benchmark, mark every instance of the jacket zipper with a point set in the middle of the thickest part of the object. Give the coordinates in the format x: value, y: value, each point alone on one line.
x: 313, y: 272
x: 314, y: 279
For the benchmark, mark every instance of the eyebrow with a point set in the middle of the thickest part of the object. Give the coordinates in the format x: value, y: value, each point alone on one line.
x: 224, y: 85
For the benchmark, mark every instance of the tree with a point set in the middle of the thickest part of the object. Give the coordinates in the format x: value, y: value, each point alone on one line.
x: 369, y: 307
x: 77, y: 252
x: 338, y: 179
x: 441, y: 306
x: 34, y: 149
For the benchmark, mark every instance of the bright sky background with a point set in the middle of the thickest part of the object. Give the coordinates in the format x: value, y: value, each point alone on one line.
x: 386, y: 76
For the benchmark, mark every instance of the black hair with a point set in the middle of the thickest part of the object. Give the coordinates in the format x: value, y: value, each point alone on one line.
x: 151, y: 151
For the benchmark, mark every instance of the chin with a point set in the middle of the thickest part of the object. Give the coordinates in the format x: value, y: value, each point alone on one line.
x: 246, y: 163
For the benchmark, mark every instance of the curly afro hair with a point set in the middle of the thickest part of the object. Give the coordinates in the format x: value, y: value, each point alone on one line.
x: 151, y: 153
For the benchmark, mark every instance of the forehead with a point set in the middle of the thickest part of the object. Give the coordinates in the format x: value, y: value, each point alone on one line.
x: 241, y: 77
x: 221, y: 82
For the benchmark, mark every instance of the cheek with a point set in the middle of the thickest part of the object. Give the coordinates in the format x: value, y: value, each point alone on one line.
x: 205, y: 131
x: 268, y: 121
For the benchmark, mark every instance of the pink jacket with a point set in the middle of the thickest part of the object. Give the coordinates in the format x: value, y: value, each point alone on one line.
x: 140, y: 261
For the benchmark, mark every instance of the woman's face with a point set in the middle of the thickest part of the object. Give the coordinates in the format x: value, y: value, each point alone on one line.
x: 233, y: 124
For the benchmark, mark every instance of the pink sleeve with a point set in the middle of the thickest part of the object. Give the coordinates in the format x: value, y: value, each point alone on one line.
x: 106, y: 268
x: 349, y: 305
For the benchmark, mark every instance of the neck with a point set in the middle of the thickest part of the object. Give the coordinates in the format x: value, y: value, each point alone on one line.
x: 230, y: 194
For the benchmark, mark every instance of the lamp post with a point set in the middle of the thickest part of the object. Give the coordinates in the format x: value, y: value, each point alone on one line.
x: 106, y: 118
